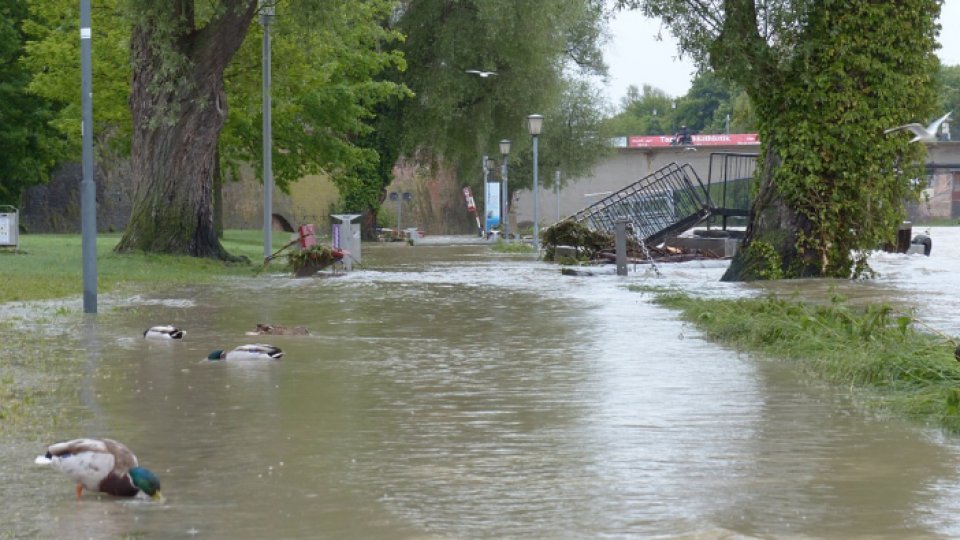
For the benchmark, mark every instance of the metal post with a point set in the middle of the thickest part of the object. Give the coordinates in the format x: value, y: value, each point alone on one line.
x: 620, y: 241
x: 505, y: 198
x: 536, y: 197
x: 556, y: 188
x: 486, y: 193
x: 88, y: 190
x: 399, y: 212
x: 265, y: 16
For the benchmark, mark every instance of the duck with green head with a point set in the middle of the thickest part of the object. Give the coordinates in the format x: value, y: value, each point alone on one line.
x: 102, y: 465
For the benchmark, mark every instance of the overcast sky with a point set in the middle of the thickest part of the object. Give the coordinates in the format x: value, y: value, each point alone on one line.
x: 636, y: 57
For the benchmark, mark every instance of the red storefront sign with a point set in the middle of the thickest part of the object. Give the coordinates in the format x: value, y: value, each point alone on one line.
x: 721, y: 139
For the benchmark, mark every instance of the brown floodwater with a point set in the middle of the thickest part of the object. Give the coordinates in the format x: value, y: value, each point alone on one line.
x: 451, y: 392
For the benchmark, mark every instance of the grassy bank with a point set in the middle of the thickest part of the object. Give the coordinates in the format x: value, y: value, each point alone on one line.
x: 51, y: 265
x: 888, y: 357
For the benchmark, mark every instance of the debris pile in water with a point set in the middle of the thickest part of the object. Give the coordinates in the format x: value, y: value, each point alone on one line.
x: 569, y: 240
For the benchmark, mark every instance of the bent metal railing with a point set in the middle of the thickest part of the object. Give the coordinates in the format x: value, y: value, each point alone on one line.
x: 666, y: 202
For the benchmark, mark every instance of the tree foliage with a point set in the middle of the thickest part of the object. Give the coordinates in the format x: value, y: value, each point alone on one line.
x: 29, y: 147
x: 704, y: 109
x: 539, y: 51
x: 948, y: 80
x: 326, y: 53
x: 826, y: 78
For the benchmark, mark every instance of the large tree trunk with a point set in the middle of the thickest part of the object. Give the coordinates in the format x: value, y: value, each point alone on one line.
x: 179, y: 107
x: 769, y: 245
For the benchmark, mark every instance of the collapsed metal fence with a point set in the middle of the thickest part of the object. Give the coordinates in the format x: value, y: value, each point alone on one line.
x: 666, y: 202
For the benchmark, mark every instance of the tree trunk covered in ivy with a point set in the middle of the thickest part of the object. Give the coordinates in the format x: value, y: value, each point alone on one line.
x: 832, y: 185
x: 826, y: 78
x: 179, y: 106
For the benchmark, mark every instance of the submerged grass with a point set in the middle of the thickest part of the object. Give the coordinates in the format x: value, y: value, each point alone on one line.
x: 51, y: 266
x: 39, y: 372
x: 501, y: 246
x: 898, y: 367
x: 38, y: 379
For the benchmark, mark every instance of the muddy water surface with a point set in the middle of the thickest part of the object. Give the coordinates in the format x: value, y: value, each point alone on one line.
x: 450, y: 392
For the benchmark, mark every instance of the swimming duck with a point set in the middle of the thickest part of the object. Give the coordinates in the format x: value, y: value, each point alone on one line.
x: 164, y: 332
x: 102, y: 465
x: 278, y: 330
x: 256, y: 351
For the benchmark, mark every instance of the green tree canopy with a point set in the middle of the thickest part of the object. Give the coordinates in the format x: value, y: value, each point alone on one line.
x: 540, y: 52
x: 30, y: 147
x: 190, y: 63
x: 825, y: 78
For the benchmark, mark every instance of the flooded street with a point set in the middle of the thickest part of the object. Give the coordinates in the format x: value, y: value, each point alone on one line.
x: 452, y: 392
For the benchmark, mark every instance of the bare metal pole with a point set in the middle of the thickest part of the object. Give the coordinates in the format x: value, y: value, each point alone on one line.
x: 505, y: 195
x: 88, y: 189
x: 536, y: 197
x: 556, y: 189
x: 266, y: 14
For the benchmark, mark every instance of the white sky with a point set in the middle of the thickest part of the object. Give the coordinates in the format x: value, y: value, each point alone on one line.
x: 636, y: 57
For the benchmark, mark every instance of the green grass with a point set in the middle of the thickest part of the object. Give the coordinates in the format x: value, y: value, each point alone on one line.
x: 51, y: 265
x: 935, y: 222
x: 501, y: 246
x: 885, y: 355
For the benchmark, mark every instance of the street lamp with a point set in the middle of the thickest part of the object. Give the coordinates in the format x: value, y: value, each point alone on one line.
x: 505, y: 196
x: 266, y: 16
x: 534, y: 124
x: 88, y: 189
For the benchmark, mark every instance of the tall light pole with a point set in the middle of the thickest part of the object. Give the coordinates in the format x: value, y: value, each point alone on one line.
x: 266, y: 15
x: 556, y: 189
x: 505, y: 196
x: 534, y: 124
x: 88, y: 190
x: 486, y: 195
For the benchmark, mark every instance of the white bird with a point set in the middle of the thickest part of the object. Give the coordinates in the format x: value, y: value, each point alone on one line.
x: 482, y: 74
x: 164, y: 332
x: 923, y: 134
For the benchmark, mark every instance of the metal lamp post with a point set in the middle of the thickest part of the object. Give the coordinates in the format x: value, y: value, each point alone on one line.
x: 556, y: 189
x: 88, y: 189
x: 266, y: 15
x: 505, y: 196
x: 534, y: 125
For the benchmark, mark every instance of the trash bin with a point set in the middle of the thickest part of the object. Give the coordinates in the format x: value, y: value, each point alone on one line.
x: 9, y: 227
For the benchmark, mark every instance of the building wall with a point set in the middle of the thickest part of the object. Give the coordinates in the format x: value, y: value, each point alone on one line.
x: 631, y: 164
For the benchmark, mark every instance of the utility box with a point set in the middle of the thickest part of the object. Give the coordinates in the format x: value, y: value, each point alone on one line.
x: 9, y: 227
x: 346, y: 236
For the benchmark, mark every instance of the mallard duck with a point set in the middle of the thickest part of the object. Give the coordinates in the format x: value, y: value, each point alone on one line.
x: 256, y: 351
x: 102, y: 465
x: 278, y: 330
x: 164, y: 332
